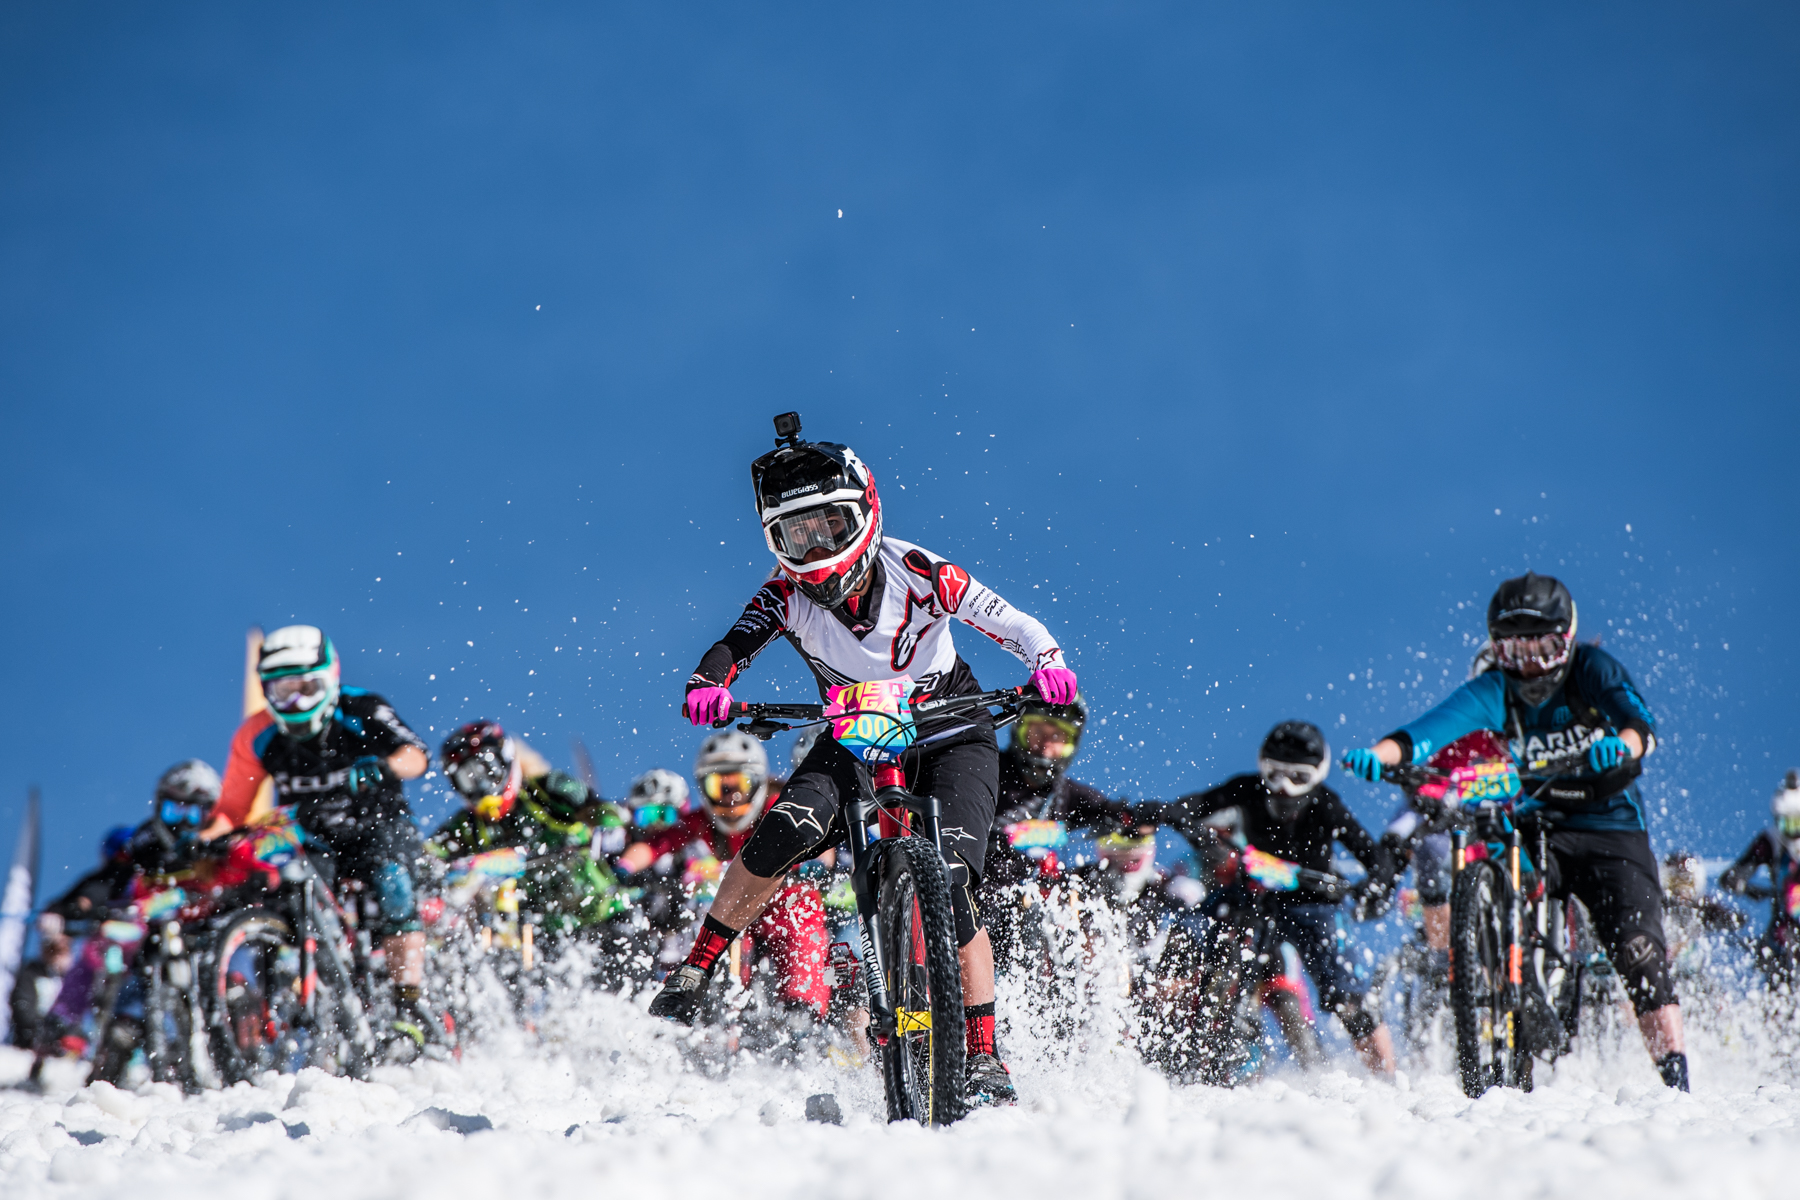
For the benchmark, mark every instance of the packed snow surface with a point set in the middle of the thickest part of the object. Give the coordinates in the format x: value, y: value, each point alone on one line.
x: 609, y: 1106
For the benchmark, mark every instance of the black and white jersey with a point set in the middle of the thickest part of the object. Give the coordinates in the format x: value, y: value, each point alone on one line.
x: 901, y: 628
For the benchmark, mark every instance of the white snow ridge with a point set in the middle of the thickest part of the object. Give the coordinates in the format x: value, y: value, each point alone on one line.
x: 606, y: 1107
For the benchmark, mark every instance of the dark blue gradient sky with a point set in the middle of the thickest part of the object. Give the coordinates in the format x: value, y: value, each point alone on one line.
x: 1248, y: 345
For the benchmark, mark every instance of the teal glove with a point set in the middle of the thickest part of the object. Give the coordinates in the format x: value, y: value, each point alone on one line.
x: 1363, y: 764
x: 1608, y: 753
x: 365, y: 774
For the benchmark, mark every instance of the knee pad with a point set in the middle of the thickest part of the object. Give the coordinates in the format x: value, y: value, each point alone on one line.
x: 399, y: 906
x: 966, y: 912
x: 1645, y: 967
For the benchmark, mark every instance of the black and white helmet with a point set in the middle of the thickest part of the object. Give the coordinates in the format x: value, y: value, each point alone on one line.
x: 732, y: 771
x: 1294, y: 760
x: 820, y: 513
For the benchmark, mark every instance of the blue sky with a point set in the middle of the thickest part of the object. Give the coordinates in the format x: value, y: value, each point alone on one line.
x: 1247, y: 345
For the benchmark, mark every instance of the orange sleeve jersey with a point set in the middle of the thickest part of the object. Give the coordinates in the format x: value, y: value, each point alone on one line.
x: 244, y: 770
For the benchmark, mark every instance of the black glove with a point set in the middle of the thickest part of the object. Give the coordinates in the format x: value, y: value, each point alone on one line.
x: 1150, y: 812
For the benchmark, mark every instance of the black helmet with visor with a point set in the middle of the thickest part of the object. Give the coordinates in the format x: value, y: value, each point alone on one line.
x: 1531, y: 626
x: 820, y: 513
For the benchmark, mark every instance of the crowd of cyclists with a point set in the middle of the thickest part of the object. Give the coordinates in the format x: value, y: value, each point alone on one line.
x: 721, y: 896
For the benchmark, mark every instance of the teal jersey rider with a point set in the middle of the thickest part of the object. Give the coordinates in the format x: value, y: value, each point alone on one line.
x: 1552, y: 723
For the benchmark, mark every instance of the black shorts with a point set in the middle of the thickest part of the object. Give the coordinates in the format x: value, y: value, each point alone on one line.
x: 1614, y: 874
x: 961, y: 771
x: 381, y: 851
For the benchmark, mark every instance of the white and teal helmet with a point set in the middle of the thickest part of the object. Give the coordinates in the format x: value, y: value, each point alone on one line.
x: 299, y: 669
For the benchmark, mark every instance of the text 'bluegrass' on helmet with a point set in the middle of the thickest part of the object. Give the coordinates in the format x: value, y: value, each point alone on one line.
x: 1294, y: 760
x: 299, y: 670
x: 820, y: 513
x: 732, y: 771
x: 1531, y: 627
x: 482, y: 764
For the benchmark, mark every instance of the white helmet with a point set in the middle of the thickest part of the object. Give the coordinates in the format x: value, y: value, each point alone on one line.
x: 299, y: 671
x: 658, y: 798
x: 1784, y: 807
x: 732, y: 770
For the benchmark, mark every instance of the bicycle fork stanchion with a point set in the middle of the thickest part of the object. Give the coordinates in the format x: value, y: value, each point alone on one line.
x: 1515, y: 952
x: 309, y: 953
x: 881, y: 1010
x: 1459, y: 853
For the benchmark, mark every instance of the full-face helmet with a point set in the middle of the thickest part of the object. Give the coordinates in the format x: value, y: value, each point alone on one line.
x: 732, y: 772
x: 820, y: 513
x: 658, y: 799
x: 483, y: 765
x: 185, y: 795
x: 1784, y: 809
x: 1046, y: 738
x: 299, y: 670
x: 1294, y: 760
x: 1531, y: 629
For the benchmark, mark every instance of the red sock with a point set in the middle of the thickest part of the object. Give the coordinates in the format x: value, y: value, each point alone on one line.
x: 714, y: 938
x: 979, y: 1019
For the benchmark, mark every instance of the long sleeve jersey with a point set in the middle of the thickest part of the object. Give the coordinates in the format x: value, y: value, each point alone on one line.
x: 901, y: 627
x: 313, y: 773
x: 1550, y: 741
x: 1306, y: 841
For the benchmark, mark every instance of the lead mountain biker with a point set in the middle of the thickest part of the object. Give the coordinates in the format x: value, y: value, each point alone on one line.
x: 1579, y: 732
x: 731, y: 773
x: 860, y: 606
x: 1778, y: 849
x: 339, y: 754
x: 1287, y: 811
x: 558, y: 822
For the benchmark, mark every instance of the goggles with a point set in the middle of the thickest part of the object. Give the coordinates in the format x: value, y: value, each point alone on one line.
x: 180, y: 812
x: 655, y: 816
x: 1048, y: 737
x: 1534, y: 653
x: 1789, y: 825
x: 729, y: 788
x: 297, y: 693
x: 832, y: 528
x: 483, y: 775
x: 1290, y: 779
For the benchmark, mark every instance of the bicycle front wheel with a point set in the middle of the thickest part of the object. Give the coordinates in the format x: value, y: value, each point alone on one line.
x: 1481, y: 992
x: 923, y: 1062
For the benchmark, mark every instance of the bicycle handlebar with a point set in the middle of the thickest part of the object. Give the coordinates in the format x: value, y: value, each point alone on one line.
x: 770, y: 715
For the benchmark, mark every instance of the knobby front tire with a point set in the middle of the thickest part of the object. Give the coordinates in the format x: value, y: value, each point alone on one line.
x: 1489, y: 1050
x: 923, y: 1062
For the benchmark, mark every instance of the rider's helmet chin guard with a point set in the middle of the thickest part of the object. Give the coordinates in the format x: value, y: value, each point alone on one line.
x: 1784, y: 813
x: 299, y: 670
x: 483, y: 765
x: 1293, y: 761
x: 658, y: 799
x: 820, y: 515
x: 732, y: 773
x: 1531, y: 635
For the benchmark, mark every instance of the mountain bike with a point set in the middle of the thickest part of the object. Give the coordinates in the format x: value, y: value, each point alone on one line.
x: 902, y: 890
x: 1526, y: 971
x: 1202, y: 1018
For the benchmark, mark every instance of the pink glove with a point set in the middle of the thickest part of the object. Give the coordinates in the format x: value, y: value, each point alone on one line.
x: 1055, y: 684
x: 707, y: 705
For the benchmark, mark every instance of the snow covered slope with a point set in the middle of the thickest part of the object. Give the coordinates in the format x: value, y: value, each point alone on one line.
x: 607, y: 1109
